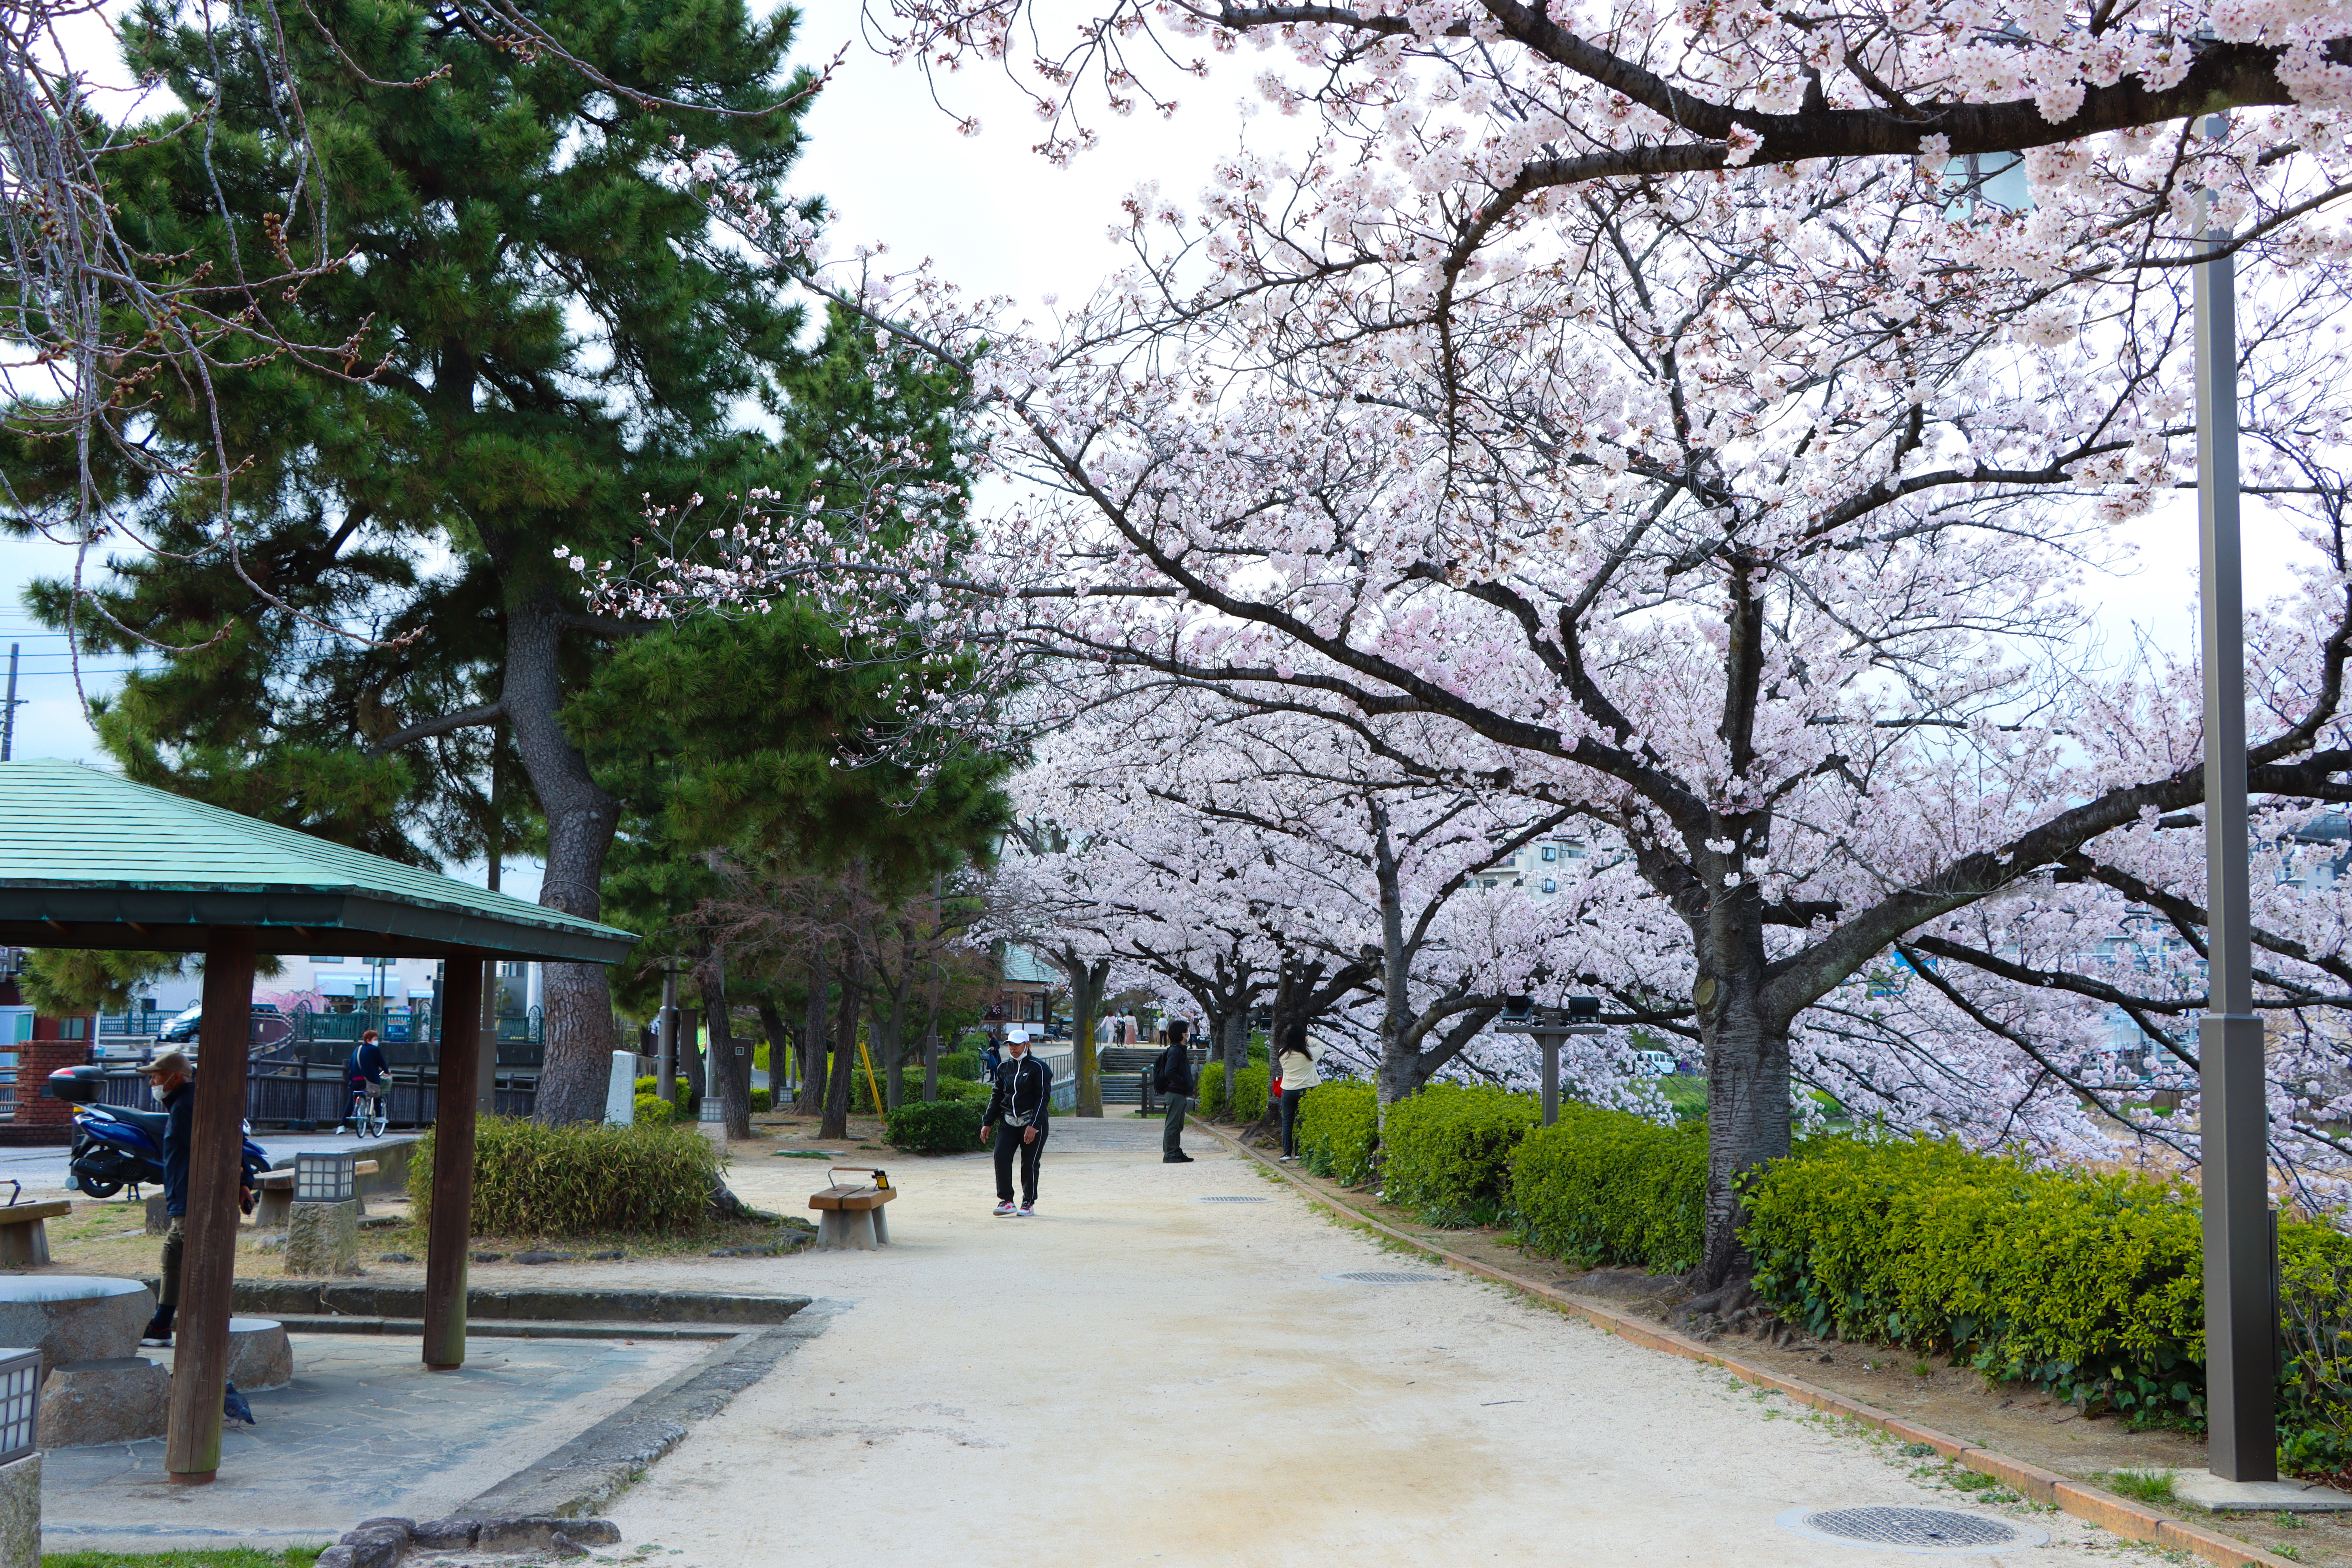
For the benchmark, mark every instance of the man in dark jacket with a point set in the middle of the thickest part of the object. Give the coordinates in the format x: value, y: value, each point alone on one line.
x: 168, y: 1075
x: 1016, y: 1121
x: 365, y: 1069
x: 1171, y: 1074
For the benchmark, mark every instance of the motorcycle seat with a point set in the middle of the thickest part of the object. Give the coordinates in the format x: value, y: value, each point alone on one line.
x: 150, y: 1122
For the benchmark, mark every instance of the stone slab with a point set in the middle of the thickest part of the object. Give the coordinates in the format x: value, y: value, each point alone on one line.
x: 20, y: 1513
x: 73, y: 1317
x: 2209, y: 1490
x: 287, y: 1299
x: 91, y: 1404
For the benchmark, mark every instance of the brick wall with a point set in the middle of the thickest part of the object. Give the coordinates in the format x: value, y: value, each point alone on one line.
x: 40, y: 1119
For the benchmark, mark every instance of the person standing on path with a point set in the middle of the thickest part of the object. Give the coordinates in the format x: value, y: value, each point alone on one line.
x: 1016, y: 1121
x: 1296, y: 1065
x: 1171, y: 1074
x: 168, y: 1075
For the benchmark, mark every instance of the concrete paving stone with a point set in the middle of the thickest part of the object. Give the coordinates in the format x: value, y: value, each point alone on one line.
x: 363, y: 1430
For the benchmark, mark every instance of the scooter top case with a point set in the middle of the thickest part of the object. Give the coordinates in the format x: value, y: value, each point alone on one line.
x: 84, y: 1085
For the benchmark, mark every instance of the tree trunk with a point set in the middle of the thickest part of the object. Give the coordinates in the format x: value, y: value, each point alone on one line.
x: 1086, y: 983
x: 1237, y: 1061
x: 931, y: 1040
x: 813, y: 1075
x: 576, y: 1021
x: 1747, y: 1114
x: 730, y: 1072
x: 845, y: 1050
x: 779, y: 1051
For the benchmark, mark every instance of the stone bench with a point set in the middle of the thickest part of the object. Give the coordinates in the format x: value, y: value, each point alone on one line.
x: 25, y: 1232
x: 275, y: 1191
x: 852, y: 1216
x: 260, y: 1356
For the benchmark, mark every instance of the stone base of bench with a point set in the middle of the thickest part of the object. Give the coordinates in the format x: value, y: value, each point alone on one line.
x: 853, y: 1230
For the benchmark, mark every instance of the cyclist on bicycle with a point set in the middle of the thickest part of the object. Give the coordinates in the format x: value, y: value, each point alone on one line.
x: 366, y: 1067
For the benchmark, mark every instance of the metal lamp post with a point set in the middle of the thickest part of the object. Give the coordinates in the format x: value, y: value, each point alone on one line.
x: 2240, y: 1311
x: 1550, y: 1026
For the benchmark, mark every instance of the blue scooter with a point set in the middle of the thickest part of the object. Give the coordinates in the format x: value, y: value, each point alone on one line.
x: 114, y: 1146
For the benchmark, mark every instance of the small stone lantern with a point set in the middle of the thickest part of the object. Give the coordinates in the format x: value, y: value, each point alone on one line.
x: 325, y: 1178
x: 20, y: 1399
x: 322, y: 1226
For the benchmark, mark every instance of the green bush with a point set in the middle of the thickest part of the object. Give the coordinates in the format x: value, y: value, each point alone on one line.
x: 1250, y: 1094
x: 911, y: 1087
x: 653, y: 1110
x: 649, y: 1084
x: 1449, y: 1151
x: 763, y: 1100
x: 965, y: 1089
x: 531, y: 1179
x: 960, y: 1064
x: 943, y: 1127
x: 1339, y: 1128
x: 1607, y: 1187
x: 1209, y: 1101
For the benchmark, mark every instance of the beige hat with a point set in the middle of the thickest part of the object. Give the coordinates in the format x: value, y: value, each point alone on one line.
x: 170, y: 1061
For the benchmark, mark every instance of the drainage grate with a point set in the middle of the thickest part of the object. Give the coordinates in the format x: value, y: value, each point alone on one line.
x: 1911, y: 1529
x: 1378, y: 1277
x: 1229, y: 1200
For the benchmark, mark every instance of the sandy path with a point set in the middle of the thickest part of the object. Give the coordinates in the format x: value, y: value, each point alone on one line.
x: 1136, y: 1376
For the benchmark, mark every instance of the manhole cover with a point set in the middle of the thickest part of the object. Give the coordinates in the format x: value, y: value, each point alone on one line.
x: 1911, y: 1529
x: 1232, y: 1200
x: 1381, y: 1277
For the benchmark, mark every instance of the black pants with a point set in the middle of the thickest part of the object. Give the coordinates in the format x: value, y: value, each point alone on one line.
x: 1008, y: 1141
x: 1290, y: 1120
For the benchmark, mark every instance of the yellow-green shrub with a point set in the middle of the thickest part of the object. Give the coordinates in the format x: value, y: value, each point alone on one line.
x: 653, y: 1110
x: 1339, y: 1128
x: 1209, y: 1095
x: 1251, y: 1090
x: 1449, y: 1151
x: 531, y: 1179
x: 1607, y: 1187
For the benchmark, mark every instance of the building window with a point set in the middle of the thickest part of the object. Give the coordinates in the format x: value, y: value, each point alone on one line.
x: 1550, y: 886
x: 325, y: 958
x: 1552, y: 851
x: 73, y: 1029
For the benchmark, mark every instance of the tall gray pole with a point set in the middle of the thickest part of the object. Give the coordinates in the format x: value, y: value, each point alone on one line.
x: 2241, y: 1317
x: 665, y: 1053
x: 8, y: 707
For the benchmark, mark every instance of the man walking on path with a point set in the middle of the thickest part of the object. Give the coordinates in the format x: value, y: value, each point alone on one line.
x: 1171, y: 1074
x: 1016, y: 1121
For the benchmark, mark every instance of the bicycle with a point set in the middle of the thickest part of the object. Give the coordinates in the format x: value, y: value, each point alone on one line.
x: 368, y: 1115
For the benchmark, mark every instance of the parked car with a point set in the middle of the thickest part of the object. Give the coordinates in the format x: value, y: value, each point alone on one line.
x: 185, y: 1027
x: 1654, y: 1064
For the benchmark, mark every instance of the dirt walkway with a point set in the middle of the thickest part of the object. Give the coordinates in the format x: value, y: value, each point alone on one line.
x: 1138, y: 1376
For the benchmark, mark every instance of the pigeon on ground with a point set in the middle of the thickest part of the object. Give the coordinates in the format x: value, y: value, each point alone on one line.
x: 234, y: 1406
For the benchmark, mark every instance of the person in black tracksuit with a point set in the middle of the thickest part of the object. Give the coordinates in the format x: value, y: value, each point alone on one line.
x: 1016, y: 1121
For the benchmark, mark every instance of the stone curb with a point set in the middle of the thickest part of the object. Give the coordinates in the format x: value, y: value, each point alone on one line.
x: 549, y: 1303
x: 2120, y: 1516
x: 601, y: 1463
x: 494, y: 1328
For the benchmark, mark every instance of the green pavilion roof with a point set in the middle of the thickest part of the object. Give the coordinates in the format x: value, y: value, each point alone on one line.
x: 90, y: 860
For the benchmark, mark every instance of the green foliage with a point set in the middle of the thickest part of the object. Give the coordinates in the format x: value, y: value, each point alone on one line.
x: 2142, y: 1486
x: 960, y: 1064
x: 188, y: 1557
x: 1209, y: 1092
x: 653, y: 1110
x: 964, y: 1089
x: 61, y: 981
x: 649, y: 1084
x: 1251, y: 1090
x: 531, y: 1179
x: 1338, y: 1129
x: 944, y: 1127
x: 1450, y: 1147
x: 762, y: 1101
x: 1607, y: 1187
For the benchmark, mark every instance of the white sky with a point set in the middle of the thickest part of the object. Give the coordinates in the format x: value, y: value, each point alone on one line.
x: 997, y: 218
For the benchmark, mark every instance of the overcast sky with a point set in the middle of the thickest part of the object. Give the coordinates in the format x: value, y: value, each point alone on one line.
x: 997, y: 218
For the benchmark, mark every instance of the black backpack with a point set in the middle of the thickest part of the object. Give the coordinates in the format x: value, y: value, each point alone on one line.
x: 1161, y: 1075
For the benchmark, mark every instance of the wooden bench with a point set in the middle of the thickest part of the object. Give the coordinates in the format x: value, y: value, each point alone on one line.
x: 851, y: 1216
x: 275, y: 1189
x: 25, y: 1232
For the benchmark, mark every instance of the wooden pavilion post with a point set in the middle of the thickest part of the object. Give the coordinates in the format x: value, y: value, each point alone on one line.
x: 453, y: 1170
x: 208, y: 1263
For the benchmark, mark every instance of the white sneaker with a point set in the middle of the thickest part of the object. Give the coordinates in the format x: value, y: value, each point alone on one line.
x: 1028, y: 1211
x: 1003, y: 1209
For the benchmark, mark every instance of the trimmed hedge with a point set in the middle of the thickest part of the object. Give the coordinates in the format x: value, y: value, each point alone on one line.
x: 1339, y: 1128
x: 1209, y: 1095
x: 960, y: 1064
x: 941, y: 1127
x: 963, y: 1088
x: 1252, y: 1087
x: 654, y: 1111
x: 531, y: 1179
x: 1609, y: 1187
x: 1449, y: 1151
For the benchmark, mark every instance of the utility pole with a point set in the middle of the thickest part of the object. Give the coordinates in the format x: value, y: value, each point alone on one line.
x: 9, y: 709
x: 2241, y: 1311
